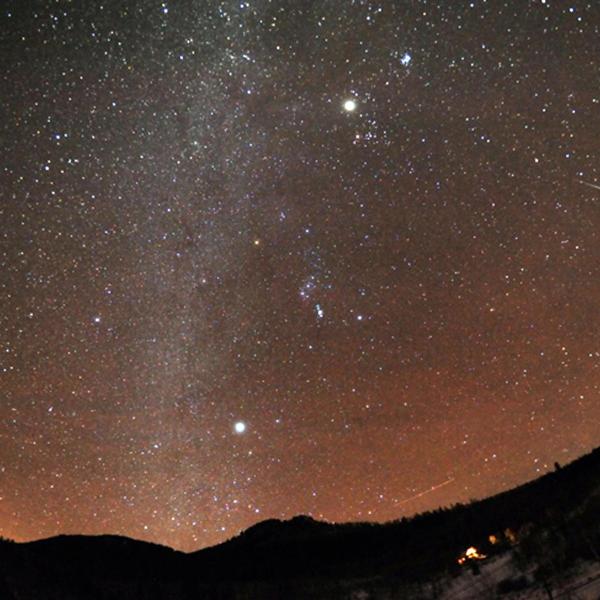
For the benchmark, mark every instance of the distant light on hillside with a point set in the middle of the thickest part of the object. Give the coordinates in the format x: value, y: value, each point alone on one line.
x: 471, y: 553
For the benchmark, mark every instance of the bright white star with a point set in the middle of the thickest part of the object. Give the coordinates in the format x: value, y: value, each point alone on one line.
x: 240, y: 427
x: 350, y: 105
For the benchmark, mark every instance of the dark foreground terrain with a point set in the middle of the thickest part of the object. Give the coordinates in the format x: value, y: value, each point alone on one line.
x: 539, y: 535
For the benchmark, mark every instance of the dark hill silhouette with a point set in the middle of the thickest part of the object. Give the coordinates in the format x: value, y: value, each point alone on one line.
x: 305, y: 558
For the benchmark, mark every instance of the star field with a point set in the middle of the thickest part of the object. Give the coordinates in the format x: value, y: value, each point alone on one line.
x: 267, y: 258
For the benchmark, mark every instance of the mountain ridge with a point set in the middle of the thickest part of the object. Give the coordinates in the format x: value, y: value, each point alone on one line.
x: 562, y: 505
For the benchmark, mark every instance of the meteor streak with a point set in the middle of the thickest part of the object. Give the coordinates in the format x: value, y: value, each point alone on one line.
x: 596, y: 187
x: 424, y: 493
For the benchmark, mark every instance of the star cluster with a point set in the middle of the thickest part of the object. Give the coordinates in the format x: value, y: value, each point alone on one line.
x: 262, y: 258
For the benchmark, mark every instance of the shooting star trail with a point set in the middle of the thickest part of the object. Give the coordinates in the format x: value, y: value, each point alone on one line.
x: 424, y: 493
x: 596, y: 187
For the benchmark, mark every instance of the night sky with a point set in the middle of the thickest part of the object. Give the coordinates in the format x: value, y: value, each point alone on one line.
x: 266, y: 258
